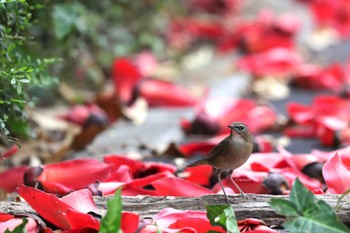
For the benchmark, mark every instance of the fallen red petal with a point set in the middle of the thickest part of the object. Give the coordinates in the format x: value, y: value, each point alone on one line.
x: 336, y: 175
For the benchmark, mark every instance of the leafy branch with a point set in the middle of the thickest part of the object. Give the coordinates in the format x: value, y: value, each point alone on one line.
x: 306, y: 213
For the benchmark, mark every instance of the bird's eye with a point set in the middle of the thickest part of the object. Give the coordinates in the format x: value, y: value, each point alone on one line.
x: 239, y: 127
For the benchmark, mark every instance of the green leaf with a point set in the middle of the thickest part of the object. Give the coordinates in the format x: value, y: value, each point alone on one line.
x: 301, y: 196
x: 111, y: 222
x: 224, y: 216
x: 284, y: 207
x: 213, y: 211
x: 308, y: 214
x: 21, y: 228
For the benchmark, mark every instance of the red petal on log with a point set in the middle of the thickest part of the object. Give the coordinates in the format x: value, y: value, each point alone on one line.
x: 5, y: 216
x: 161, y: 93
x: 173, y: 186
x: 129, y: 222
x: 31, y: 226
x: 55, y: 211
x: 175, y: 219
x: 80, y: 200
x: 125, y: 76
x: 11, y: 178
x: 55, y: 188
x: 142, y: 182
x: 336, y: 175
x: 78, y: 220
x: 76, y: 174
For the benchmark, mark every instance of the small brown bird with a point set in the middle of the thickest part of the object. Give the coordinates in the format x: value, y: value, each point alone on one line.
x: 231, y: 153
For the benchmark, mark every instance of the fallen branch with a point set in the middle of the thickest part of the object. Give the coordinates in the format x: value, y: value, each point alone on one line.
x: 255, y: 206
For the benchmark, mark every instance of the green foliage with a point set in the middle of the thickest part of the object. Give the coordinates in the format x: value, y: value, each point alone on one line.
x: 21, y: 228
x: 306, y: 213
x: 19, y: 70
x: 111, y: 222
x: 223, y: 216
x: 88, y: 36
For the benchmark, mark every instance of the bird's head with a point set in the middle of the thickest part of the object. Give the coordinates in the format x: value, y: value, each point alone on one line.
x: 240, y: 129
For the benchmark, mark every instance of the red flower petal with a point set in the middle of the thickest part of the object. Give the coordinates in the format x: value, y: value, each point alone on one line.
x: 291, y: 174
x: 142, y: 182
x: 76, y: 174
x: 5, y: 216
x: 11, y: 151
x: 203, y: 147
x: 55, y: 211
x: 199, y: 174
x: 31, y: 226
x: 129, y: 222
x: 122, y: 174
x: 80, y: 200
x: 173, y: 186
x: 118, y: 160
x: 12, y: 178
x: 277, y: 61
x: 125, y: 76
x: 55, y: 188
x: 161, y: 93
x: 147, y: 63
x: 336, y: 175
x: 176, y: 219
x: 299, y: 113
x: 248, y: 181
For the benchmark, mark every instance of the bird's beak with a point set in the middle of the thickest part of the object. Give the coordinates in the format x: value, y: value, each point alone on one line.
x: 230, y: 126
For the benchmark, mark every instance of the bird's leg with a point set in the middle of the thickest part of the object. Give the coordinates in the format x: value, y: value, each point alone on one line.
x: 218, y: 175
x: 239, y: 189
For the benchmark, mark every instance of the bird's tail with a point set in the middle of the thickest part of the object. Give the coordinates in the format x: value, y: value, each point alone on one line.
x: 197, y: 163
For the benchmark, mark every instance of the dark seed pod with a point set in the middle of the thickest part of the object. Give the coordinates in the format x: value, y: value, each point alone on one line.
x: 314, y: 170
x: 276, y: 182
x: 30, y: 177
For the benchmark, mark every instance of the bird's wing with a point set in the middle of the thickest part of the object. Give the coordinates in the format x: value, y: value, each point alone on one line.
x: 219, y: 149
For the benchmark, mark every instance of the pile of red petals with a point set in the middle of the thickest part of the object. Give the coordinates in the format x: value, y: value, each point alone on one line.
x: 214, y: 114
x: 310, y: 76
x: 277, y: 62
x: 267, y: 31
x: 326, y: 118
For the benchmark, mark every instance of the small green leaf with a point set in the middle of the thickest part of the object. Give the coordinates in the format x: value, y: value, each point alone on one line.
x: 19, y: 88
x: 111, y: 222
x: 213, y: 211
x: 284, y: 207
x: 24, y: 80
x: 21, y: 228
x: 224, y: 216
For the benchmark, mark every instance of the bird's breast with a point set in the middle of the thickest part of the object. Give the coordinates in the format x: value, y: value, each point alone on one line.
x: 237, y: 153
